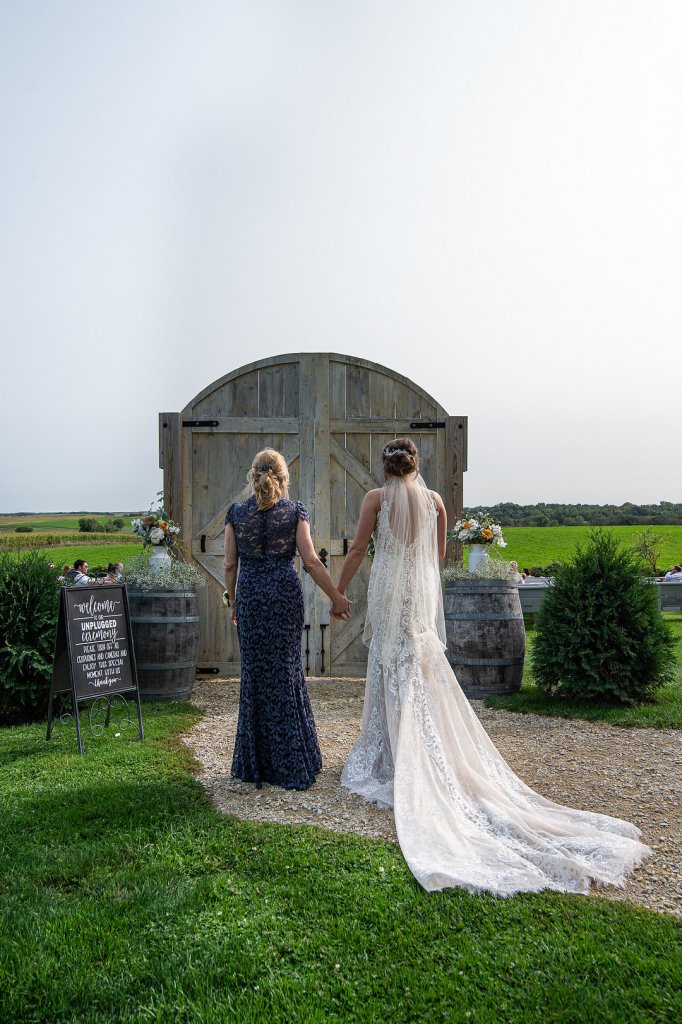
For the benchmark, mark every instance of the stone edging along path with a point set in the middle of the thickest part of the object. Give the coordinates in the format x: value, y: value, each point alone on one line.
x: 634, y: 774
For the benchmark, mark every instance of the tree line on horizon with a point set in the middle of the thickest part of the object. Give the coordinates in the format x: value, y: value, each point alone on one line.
x: 508, y: 513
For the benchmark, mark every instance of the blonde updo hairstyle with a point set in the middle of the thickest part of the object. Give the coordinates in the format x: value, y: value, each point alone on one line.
x: 269, y: 478
x: 401, y: 458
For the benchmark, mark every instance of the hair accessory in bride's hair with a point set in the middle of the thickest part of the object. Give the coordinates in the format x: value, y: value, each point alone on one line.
x: 267, y: 467
x: 388, y: 452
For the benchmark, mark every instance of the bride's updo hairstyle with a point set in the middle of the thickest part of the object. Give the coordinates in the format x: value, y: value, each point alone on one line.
x: 401, y: 458
x: 269, y: 477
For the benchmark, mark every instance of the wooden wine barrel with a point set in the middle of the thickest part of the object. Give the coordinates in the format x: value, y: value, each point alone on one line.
x: 486, y: 639
x: 165, y: 628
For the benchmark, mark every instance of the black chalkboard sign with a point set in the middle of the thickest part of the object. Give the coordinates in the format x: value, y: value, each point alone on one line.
x: 93, y: 653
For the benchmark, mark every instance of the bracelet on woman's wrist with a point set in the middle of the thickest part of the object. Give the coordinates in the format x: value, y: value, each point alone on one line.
x: 226, y: 599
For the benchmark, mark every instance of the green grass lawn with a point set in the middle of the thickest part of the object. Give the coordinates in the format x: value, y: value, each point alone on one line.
x: 94, y: 554
x: 541, y: 545
x: 663, y: 711
x: 126, y: 898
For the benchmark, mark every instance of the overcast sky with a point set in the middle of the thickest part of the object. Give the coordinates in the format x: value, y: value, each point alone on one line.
x: 484, y: 196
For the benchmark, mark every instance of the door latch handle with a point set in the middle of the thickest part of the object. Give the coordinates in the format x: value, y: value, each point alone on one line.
x: 322, y: 555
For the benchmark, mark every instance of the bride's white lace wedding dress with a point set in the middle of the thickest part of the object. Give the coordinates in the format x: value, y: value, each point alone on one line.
x: 463, y: 818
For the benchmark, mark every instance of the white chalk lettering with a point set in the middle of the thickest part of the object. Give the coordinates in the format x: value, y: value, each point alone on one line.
x: 95, y: 607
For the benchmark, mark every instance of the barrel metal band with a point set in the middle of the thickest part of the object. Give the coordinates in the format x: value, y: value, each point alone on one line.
x: 162, y: 593
x: 454, y: 661
x: 164, y: 618
x: 483, y: 617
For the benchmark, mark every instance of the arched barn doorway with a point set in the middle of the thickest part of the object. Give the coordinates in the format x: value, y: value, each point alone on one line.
x: 330, y: 416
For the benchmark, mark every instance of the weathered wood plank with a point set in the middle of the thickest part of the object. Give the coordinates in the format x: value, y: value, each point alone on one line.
x: 357, y: 391
x: 170, y: 443
x: 290, y: 372
x: 337, y: 493
x: 322, y: 482
x: 244, y: 394
x: 455, y: 465
x: 306, y: 463
x: 270, y: 391
x: 337, y: 389
x: 381, y: 395
x: 407, y: 403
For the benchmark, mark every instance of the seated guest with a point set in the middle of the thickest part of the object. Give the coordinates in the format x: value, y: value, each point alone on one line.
x: 78, y: 577
x: 514, y: 572
x: 674, y: 574
x: 114, y: 572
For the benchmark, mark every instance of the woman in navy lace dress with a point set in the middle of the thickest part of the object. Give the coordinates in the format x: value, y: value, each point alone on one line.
x: 276, y: 738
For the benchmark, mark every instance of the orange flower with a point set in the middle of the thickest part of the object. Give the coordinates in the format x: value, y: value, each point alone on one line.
x: 163, y: 524
x: 466, y: 524
x: 487, y: 533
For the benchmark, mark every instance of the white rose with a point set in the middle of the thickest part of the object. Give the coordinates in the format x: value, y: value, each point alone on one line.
x: 156, y: 535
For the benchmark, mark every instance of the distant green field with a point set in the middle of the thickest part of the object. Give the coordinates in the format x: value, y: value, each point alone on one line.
x: 528, y: 545
x: 540, y: 545
x: 59, y: 521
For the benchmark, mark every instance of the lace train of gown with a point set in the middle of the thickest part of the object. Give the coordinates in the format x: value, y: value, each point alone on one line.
x: 463, y: 818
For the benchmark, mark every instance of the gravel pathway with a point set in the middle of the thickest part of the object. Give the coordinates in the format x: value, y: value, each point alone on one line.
x: 630, y: 773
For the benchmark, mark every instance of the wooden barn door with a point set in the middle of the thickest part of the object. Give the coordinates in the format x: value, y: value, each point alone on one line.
x: 330, y: 416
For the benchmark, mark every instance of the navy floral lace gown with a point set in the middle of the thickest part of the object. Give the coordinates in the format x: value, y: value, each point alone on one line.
x: 276, y: 738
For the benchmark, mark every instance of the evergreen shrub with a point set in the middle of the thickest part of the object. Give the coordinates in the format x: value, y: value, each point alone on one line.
x: 29, y: 603
x: 599, y: 636
x: 24, y: 529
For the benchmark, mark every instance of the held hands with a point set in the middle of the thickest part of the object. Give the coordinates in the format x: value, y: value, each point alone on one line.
x: 341, y: 608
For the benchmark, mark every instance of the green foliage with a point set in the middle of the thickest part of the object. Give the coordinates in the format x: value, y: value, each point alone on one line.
x: 175, y: 575
x: 599, y: 636
x: 508, y: 513
x: 649, y: 546
x: 493, y: 569
x: 88, y: 524
x: 29, y: 601
x: 24, y: 529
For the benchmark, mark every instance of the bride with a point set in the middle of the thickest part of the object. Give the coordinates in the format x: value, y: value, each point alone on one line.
x: 463, y: 818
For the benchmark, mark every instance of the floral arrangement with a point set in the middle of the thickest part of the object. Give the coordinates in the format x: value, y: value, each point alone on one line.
x: 156, y: 529
x: 174, y: 575
x: 478, y: 530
